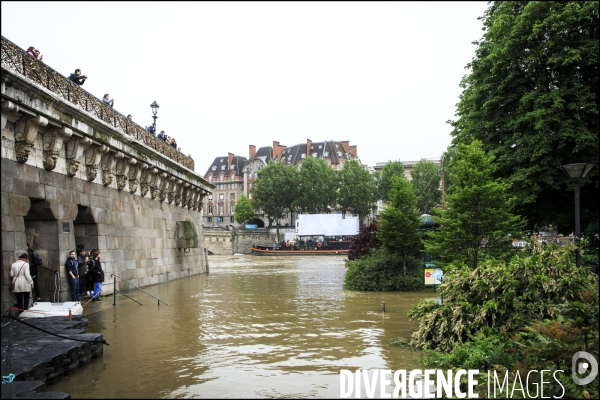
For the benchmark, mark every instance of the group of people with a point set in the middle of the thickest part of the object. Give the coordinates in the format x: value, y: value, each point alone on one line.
x: 169, y: 141
x: 84, y: 272
x: 79, y: 79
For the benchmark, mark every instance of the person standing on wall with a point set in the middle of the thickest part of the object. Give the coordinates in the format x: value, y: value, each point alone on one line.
x: 34, y: 262
x: 73, y: 275
x: 97, y: 274
x: 22, y: 281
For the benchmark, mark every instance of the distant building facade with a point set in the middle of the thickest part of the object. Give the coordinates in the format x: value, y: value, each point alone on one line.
x: 233, y: 175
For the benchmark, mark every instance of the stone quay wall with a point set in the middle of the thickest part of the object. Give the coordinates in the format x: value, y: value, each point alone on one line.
x: 68, y: 178
x: 223, y: 241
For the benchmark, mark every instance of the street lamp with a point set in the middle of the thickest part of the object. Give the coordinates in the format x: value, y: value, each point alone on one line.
x: 154, y: 110
x: 576, y: 173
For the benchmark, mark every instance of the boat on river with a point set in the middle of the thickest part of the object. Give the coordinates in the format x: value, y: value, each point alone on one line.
x: 316, y: 234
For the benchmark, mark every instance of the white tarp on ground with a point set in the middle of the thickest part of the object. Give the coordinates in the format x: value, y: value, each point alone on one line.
x: 326, y: 224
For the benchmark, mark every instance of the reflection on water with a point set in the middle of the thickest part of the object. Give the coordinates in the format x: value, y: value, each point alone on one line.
x: 253, y: 327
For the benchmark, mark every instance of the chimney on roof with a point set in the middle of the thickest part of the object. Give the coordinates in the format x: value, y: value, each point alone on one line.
x: 345, y: 145
x: 252, y: 152
x: 277, y: 150
x: 308, y: 144
x: 229, y: 159
x: 353, y: 151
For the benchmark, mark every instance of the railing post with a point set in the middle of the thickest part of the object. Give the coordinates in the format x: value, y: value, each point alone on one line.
x: 114, y: 290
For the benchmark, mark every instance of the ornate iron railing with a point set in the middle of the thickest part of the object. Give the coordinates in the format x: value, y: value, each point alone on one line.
x: 16, y: 59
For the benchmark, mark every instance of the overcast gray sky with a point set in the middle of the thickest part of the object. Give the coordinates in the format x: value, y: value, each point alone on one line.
x: 383, y: 75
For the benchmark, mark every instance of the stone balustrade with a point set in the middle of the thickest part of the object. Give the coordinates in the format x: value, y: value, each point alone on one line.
x: 17, y: 60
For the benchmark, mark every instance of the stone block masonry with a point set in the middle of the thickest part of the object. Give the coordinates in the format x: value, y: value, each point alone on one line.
x: 70, y: 178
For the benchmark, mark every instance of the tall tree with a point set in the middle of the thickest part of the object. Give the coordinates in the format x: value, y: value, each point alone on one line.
x: 426, y: 176
x: 357, y: 192
x: 271, y: 190
x: 384, y: 181
x: 318, y: 185
x: 243, y: 211
x: 478, y: 217
x: 532, y: 99
x: 399, y: 221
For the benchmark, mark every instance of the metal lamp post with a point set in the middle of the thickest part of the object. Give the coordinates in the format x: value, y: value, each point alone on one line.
x: 576, y: 173
x: 154, y: 107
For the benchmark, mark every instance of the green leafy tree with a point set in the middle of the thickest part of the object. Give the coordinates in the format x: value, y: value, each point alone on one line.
x: 384, y: 178
x: 478, y: 217
x: 399, y: 222
x: 426, y: 177
x: 244, y: 211
x: 532, y: 100
x: 272, y: 189
x: 357, y: 192
x: 317, y: 185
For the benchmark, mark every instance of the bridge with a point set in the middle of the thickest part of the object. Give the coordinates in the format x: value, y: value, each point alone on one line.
x: 76, y: 171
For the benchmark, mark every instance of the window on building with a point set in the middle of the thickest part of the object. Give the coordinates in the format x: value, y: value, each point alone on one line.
x: 232, y: 196
x: 219, y: 220
x: 210, y: 220
x: 214, y: 168
x: 221, y: 177
x: 220, y: 210
x: 221, y: 187
x: 232, y: 176
x: 221, y: 196
x: 303, y: 155
x: 233, y: 186
x: 325, y: 153
x: 339, y: 153
x: 210, y: 178
x: 210, y: 210
x: 232, y: 210
x: 222, y: 167
x: 320, y: 146
x: 210, y: 197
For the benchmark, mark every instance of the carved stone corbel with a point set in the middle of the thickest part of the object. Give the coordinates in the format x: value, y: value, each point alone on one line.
x: 187, y: 190
x: 145, y: 179
x: 92, y: 160
x: 194, y: 199
x: 10, y: 112
x: 74, y: 149
x: 171, y: 191
x: 53, y: 140
x: 178, y: 188
x: 107, y: 163
x: 26, y: 130
x: 164, y: 180
x: 154, y: 184
x: 122, y: 168
x: 134, y: 176
x: 200, y: 203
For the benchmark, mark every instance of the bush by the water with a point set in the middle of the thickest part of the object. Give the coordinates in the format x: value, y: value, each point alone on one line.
x: 382, y: 271
x: 533, y: 313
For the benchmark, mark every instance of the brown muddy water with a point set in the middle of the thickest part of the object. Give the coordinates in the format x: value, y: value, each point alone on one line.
x: 258, y: 327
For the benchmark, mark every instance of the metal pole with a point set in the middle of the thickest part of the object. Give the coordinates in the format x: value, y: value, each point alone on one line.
x: 114, y: 290
x: 577, y: 223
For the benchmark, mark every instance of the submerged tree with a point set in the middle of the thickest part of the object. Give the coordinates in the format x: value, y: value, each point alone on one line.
x: 399, y: 221
x: 478, y: 217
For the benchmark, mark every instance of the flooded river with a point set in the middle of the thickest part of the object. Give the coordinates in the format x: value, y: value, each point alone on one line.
x: 253, y: 327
